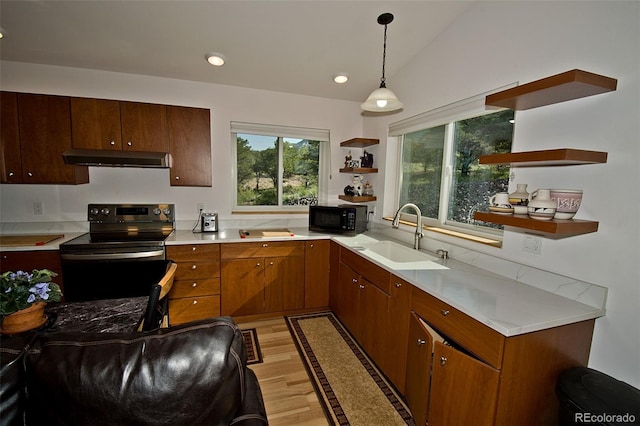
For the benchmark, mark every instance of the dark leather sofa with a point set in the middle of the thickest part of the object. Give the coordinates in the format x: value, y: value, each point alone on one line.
x: 192, y: 374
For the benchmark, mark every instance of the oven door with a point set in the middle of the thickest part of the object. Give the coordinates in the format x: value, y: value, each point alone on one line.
x: 95, y: 274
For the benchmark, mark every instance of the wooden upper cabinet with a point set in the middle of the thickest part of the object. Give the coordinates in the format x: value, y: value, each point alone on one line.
x: 95, y: 124
x: 45, y: 133
x: 10, y: 158
x: 144, y: 127
x: 189, y: 146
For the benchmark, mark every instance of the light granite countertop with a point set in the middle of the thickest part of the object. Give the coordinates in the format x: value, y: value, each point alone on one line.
x: 504, y: 304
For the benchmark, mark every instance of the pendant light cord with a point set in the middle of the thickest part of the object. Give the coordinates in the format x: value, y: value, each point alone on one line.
x: 384, y: 57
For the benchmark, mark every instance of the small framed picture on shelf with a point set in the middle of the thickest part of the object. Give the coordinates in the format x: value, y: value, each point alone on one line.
x: 354, y: 164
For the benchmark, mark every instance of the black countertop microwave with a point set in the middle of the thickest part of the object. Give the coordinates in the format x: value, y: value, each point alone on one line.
x: 344, y: 218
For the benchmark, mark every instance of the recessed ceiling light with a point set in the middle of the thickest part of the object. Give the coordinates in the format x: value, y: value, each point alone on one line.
x: 341, y: 78
x: 214, y: 58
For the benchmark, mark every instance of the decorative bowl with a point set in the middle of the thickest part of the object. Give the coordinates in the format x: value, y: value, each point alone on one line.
x: 568, y: 202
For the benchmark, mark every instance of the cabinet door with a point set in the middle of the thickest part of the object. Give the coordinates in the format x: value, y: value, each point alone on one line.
x: 10, y: 158
x: 189, y: 146
x: 45, y: 133
x: 372, y: 328
x: 463, y: 389
x: 348, y: 299
x: 316, y: 270
x: 334, y: 276
x: 95, y: 124
x: 283, y: 283
x: 418, y: 376
x: 144, y: 127
x: 242, y: 282
x: 397, y: 332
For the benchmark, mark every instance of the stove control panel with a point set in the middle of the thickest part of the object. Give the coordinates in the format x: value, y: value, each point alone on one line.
x: 130, y: 213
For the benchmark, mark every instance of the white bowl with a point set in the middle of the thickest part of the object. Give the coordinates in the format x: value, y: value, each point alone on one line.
x: 541, y: 213
x: 568, y: 202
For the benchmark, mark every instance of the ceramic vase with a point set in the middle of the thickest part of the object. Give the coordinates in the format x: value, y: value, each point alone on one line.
x: 519, y: 199
x: 541, y: 206
x: 24, y: 320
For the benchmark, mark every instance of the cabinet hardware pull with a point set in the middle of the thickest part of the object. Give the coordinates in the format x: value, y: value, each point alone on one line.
x: 10, y: 174
x: 29, y: 174
x: 311, y: 246
x: 194, y: 266
x: 193, y: 248
x: 194, y: 285
x: 444, y: 312
x: 354, y: 280
x: 195, y: 302
x: 265, y: 245
x: 443, y: 360
x: 421, y: 342
x: 112, y: 142
x: 361, y: 287
x: 270, y: 263
x: 177, y: 177
x: 258, y: 264
x: 130, y: 143
x: 398, y: 285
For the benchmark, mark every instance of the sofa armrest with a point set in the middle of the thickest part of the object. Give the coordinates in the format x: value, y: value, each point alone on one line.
x: 252, y: 412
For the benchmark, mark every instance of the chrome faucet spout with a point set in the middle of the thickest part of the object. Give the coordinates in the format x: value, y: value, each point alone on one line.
x: 418, y: 235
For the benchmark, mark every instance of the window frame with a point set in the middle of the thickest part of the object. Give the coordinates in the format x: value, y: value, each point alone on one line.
x: 447, y: 115
x: 281, y: 133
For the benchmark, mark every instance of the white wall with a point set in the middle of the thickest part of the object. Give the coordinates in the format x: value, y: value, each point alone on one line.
x: 116, y: 185
x: 497, y: 43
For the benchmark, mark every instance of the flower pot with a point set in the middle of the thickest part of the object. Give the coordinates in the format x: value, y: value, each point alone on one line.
x: 25, y: 319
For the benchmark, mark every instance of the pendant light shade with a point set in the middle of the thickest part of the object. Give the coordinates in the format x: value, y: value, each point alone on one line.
x: 382, y: 99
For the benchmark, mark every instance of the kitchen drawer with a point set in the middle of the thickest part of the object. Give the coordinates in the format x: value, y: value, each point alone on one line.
x: 484, y: 342
x: 376, y: 275
x: 195, y: 287
x: 193, y: 308
x: 266, y: 249
x: 188, y: 252
x: 197, y: 269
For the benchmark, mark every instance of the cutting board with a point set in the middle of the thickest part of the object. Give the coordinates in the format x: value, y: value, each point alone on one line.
x: 27, y: 240
x: 260, y: 233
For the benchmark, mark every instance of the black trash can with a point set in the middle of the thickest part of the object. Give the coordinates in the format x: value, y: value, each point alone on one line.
x: 589, y: 397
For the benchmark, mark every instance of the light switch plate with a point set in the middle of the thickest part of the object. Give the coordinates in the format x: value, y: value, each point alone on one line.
x: 532, y: 244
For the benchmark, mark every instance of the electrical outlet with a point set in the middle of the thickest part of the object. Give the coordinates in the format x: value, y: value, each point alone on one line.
x: 200, y: 207
x: 38, y: 208
x: 532, y: 244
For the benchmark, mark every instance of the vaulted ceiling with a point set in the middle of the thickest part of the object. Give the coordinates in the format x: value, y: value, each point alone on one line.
x: 285, y: 46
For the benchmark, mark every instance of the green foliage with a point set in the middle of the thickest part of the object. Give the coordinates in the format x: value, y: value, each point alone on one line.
x: 19, y: 290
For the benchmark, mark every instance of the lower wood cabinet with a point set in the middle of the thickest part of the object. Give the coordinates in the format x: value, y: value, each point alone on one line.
x: 34, y: 259
x: 260, y: 278
x: 196, y: 290
x: 316, y: 271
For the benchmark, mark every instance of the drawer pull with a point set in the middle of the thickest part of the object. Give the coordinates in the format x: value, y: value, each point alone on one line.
x: 361, y: 287
x: 354, y: 280
x: 194, y: 285
x: 258, y: 264
x: 398, y: 285
x: 421, y: 342
x: 265, y: 245
x: 444, y: 312
x: 193, y: 248
x: 194, y: 266
x: 443, y: 360
x: 112, y: 143
x: 195, y: 302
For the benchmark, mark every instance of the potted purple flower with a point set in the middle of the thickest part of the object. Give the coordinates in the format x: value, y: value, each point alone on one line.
x: 23, y: 296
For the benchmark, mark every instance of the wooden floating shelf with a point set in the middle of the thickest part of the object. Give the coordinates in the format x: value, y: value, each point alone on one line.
x: 553, y: 228
x: 359, y: 143
x: 562, y: 87
x: 353, y: 199
x: 551, y: 157
x: 359, y: 170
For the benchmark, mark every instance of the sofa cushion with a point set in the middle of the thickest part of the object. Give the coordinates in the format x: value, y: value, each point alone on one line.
x: 191, y: 374
x: 12, y: 392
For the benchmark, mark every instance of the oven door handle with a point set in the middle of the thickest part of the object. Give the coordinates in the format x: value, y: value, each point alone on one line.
x: 113, y: 256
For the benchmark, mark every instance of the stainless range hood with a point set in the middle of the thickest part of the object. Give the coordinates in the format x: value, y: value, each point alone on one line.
x: 97, y: 157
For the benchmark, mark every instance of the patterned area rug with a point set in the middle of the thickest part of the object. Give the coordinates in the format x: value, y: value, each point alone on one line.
x: 254, y: 356
x: 352, y: 389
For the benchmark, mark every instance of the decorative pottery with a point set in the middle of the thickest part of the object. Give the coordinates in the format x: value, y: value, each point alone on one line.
x: 368, y: 189
x: 501, y: 199
x: 567, y: 202
x: 519, y: 199
x: 358, y: 186
x: 541, y: 206
x: 25, y: 319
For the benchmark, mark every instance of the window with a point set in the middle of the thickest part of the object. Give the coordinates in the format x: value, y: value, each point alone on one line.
x: 440, y: 171
x: 277, y: 168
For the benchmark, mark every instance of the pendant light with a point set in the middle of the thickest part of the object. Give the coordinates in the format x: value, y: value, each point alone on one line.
x: 382, y: 99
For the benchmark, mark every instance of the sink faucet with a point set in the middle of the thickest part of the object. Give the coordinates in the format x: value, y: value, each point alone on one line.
x: 418, y: 235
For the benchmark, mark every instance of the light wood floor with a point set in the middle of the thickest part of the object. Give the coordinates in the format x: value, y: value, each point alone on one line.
x: 288, y: 394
